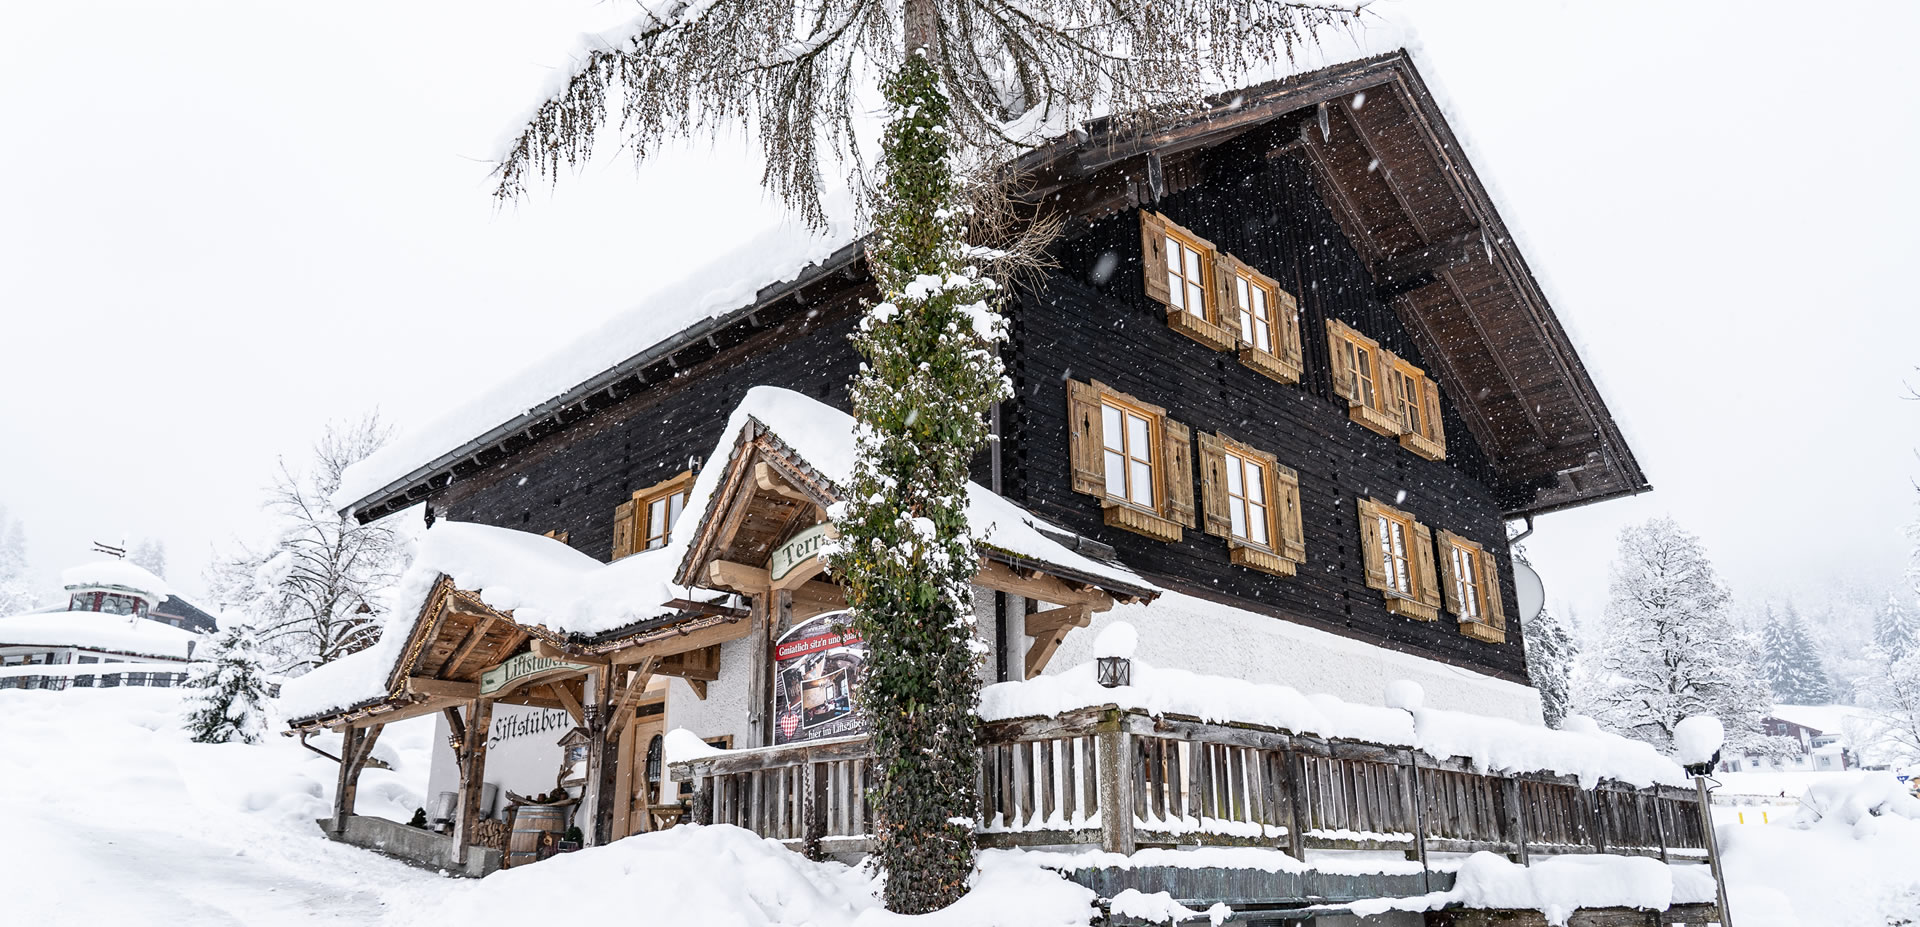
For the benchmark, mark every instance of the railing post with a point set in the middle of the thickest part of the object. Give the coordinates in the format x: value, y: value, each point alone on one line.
x: 1599, y: 817
x: 1420, y: 817
x: 1517, y: 818
x: 813, y: 821
x: 702, y: 800
x: 1713, y: 848
x: 1116, y: 784
x: 1296, y: 804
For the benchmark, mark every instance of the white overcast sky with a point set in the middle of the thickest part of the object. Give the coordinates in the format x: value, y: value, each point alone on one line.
x: 227, y: 222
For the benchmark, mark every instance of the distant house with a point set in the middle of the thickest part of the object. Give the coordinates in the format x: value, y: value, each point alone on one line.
x: 1815, y: 750
x: 116, y: 613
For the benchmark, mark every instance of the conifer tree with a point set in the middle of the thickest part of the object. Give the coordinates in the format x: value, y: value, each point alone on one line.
x: 1791, y: 660
x: 1895, y: 630
x: 230, y: 686
x: 1669, y: 648
x: 16, y: 590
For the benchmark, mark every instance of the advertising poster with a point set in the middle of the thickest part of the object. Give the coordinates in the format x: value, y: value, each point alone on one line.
x: 816, y: 666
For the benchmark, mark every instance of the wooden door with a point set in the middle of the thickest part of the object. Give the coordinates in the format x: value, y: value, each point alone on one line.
x: 645, y: 760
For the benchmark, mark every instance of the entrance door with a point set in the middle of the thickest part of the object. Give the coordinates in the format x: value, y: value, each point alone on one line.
x: 647, y: 761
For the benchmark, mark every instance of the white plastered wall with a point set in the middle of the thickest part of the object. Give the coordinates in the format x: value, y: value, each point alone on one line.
x: 1182, y: 632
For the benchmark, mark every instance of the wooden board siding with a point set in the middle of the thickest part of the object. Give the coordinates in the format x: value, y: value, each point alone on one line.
x: 571, y: 481
x: 1266, y: 213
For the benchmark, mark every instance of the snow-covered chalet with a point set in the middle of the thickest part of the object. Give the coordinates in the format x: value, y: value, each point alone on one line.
x: 1279, y: 408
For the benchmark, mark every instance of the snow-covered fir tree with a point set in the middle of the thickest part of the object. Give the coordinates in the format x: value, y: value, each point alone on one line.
x: 151, y: 555
x: 16, y: 587
x: 1896, y: 629
x: 1791, y: 661
x: 1893, y: 700
x: 229, y: 690
x: 958, y: 75
x: 314, y: 594
x: 1669, y: 649
x: 1551, y: 656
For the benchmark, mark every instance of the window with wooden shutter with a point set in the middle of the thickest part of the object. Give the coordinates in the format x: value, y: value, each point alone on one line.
x: 1254, y: 503
x: 1398, y: 555
x: 1263, y: 317
x: 1415, y: 401
x: 656, y: 509
x: 1470, y: 578
x: 1359, y: 374
x: 623, y: 529
x: 1181, y: 274
x: 1133, y: 457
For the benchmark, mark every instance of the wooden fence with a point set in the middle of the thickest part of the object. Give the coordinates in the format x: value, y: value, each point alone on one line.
x: 1183, y: 782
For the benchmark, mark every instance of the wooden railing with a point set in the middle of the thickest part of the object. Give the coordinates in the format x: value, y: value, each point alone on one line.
x: 1184, y: 782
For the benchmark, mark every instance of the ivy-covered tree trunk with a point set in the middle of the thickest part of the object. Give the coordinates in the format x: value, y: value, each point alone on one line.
x: 905, y: 554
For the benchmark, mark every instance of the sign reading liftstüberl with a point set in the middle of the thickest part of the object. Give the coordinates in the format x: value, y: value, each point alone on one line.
x: 804, y: 547
x: 521, y: 667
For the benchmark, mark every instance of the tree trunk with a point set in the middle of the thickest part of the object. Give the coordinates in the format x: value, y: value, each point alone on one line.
x: 922, y: 26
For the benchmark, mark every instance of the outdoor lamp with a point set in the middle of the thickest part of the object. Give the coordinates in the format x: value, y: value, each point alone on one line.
x: 1114, y: 671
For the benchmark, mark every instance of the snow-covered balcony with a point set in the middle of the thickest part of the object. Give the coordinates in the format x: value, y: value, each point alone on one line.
x: 1179, y: 759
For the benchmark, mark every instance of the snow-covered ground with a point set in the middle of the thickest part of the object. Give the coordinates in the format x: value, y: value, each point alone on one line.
x: 113, y: 816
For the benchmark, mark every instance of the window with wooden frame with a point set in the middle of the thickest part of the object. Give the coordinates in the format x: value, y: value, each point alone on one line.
x: 1470, y: 576
x: 1359, y: 371
x: 1181, y: 274
x: 1398, y: 555
x: 1132, y: 457
x: 1265, y: 318
x: 1253, y: 502
x: 1415, y: 400
x: 645, y: 521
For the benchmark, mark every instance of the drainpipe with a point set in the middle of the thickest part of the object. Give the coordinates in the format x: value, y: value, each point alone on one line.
x: 1516, y: 539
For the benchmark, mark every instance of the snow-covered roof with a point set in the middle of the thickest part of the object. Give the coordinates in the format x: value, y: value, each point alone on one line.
x: 112, y: 573
x: 1495, y: 745
x: 822, y: 436
x: 126, y: 634
x: 733, y: 281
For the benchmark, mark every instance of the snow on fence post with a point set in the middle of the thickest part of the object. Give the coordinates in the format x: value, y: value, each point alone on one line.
x: 1116, y: 783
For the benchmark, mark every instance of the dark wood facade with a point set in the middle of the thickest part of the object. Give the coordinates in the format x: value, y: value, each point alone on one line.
x: 1363, y: 211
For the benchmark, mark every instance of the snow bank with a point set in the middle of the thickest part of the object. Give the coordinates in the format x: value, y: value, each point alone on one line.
x: 1494, y: 745
x: 1856, y: 801
x: 114, y: 573
x: 126, y: 634
x: 1830, y: 872
x: 1560, y: 885
x: 724, y: 876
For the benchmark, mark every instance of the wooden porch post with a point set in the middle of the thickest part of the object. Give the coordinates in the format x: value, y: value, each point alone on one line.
x: 1116, y: 784
x: 356, y: 747
x: 473, y: 771
x: 602, y: 761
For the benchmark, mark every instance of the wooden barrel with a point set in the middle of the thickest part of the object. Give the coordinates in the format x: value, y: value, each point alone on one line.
x: 530, y: 823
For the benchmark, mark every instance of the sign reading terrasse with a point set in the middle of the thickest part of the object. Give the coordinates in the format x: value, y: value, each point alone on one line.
x: 521, y: 667
x: 802, y: 549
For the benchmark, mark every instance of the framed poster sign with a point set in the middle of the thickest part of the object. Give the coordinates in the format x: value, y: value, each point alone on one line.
x: 816, y: 666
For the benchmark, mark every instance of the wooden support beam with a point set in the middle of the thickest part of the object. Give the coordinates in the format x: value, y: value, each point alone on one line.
x: 466, y: 646
x: 1053, y: 619
x: 703, y: 664
x: 1032, y: 585
x: 344, y: 784
x: 770, y: 480
x: 636, y: 684
x: 421, y: 685
x: 699, y: 687
x: 553, y: 651
x: 473, y: 771
x: 716, y: 633
x: 456, y: 731
x: 1043, y: 648
x: 739, y: 577
x: 563, y: 694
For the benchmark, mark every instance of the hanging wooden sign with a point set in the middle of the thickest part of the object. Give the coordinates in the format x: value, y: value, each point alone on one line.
x: 802, y: 550
x: 522, y: 668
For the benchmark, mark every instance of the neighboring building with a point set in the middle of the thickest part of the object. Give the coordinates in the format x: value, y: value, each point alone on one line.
x: 116, y: 613
x: 1275, y: 407
x: 1814, y: 750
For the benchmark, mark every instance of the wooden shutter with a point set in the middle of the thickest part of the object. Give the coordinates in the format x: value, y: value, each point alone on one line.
x: 623, y: 529
x: 1343, y: 385
x: 1493, y: 610
x: 1287, y: 314
x: 1153, y: 254
x: 1449, y: 580
x: 1176, y: 444
x: 1286, y: 508
x: 1370, y: 554
x: 1426, y: 584
x: 1085, y: 447
x: 1430, y: 407
x: 1213, y: 485
x: 1226, y: 309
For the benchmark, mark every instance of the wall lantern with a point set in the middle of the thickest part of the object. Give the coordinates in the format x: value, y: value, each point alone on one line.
x: 1114, y: 671
x: 1113, y: 655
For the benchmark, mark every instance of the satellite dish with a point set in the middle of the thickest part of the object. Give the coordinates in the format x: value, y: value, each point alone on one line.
x: 1530, y: 593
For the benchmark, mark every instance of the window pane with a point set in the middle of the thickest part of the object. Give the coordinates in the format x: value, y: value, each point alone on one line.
x: 1233, y: 475
x: 1176, y: 289
x: 1116, y: 474
x: 1263, y: 336
x: 1173, y: 255
x: 1110, y: 428
x: 1257, y: 520
x: 1256, y: 483
x: 679, y: 505
x: 1239, y: 517
x: 1193, y: 264
x: 1137, y: 437
x: 1240, y: 292
x: 1142, y: 489
x: 1196, y: 300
